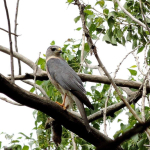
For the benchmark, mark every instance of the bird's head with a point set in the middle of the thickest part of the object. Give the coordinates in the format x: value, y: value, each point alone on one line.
x: 53, y: 51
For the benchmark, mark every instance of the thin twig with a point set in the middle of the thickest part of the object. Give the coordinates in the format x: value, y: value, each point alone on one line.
x: 145, y: 56
x: 10, y: 42
x: 35, y: 71
x: 8, y: 32
x: 118, y: 67
x: 38, y: 87
x: 82, y: 51
x: 105, y: 111
x: 109, y: 92
x: 73, y: 141
x: 22, y: 58
x: 15, y: 31
x: 138, y: 63
x: 143, y: 101
x: 9, y: 101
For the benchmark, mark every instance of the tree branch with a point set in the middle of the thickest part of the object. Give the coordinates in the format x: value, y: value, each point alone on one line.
x: 38, y: 87
x: 68, y: 120
x: 22, y: 58
x: 15, y: 31
x: 9, y: 101
x: 138, y: 128
x: 85, y: 78
x: 132, y: 97
x: 10, y: 43
x: 8, y: 32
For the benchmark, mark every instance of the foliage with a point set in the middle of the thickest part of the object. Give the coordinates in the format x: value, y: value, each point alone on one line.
x: 116, y: 28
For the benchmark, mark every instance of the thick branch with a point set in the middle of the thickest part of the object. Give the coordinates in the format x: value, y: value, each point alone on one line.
x: 89, y: 78
x: 68, y: 120
x: 139, y: 128
x: 134, y: 97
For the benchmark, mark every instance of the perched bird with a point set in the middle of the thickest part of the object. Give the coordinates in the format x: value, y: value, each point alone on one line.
x: 68, y: 83
x: 56, y: 130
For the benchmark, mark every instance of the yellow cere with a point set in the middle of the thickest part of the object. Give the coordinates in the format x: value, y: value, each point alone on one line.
x: 59, y: 49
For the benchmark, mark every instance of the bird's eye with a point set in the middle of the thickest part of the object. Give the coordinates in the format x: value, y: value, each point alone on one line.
x: 53, y: 49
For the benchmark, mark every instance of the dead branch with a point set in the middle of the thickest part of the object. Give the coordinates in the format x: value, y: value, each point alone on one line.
x: 10, y: 42
x: 8, y: 32
x: 22, y: 58
x: 15, y: 31
x: 9, y: 101
x: 38, y: 87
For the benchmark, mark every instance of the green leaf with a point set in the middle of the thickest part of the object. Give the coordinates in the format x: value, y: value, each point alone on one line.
x: 123, y: 41
x: 148, y: 20
x: 140, y: 49
x: 76, y: 19
x: 135, y: 138
x: 134, y: 45
x: 89, y: 12
x: 106, y: 11
x: 70, y: 1
x: 0, y: 144
x: 106, y: 38
x: 113, y: 41
x: 129, y: 35
x: 140, y: 144
x: 15, y: 141
x: 119, y: 33
x: 25, y: 147
x: 134, y: 66
x: 119, y: 120
x: 101, y: 3
x: 111, y: 22
x: 25, y: 135
x: 92, y: 28
x: 99, y: 21
x: 78, y: 29
x: 52, y: 43
x: 86, y: 47
x: 32, y: 90
x: 133, y: 72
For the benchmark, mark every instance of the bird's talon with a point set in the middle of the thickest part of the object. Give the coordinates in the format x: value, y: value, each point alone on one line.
x: 62, y: 105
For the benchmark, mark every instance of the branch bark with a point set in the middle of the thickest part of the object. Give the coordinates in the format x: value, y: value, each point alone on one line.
x: 68, y: 120
x: 139, y: 128
x: 89, y: 78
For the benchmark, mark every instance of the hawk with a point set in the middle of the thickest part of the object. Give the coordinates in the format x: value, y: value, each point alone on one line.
x: 68, y: 83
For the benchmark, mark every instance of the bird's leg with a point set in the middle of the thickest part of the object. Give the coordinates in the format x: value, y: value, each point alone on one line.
x: 63, y: 103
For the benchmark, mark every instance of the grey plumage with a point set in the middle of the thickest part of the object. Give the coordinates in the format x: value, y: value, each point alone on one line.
x: 67, y: 81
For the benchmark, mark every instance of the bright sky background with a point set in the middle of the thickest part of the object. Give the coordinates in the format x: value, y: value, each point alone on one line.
x: 40, y: 22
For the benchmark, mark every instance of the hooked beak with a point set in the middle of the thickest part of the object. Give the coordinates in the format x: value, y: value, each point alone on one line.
x: 59, y: 49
